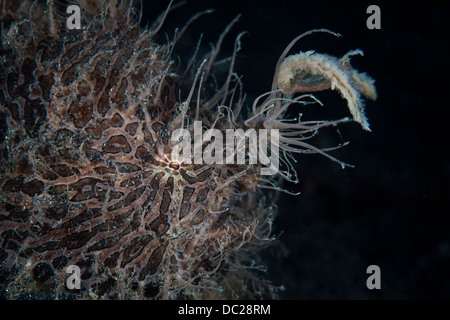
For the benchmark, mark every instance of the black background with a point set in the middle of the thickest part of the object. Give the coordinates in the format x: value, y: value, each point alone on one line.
x: 392, y: 209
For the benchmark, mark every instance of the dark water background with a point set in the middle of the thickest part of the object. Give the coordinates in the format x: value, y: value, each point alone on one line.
x: 392, y: 209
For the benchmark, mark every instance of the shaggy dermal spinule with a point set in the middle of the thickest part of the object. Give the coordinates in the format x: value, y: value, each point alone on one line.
x: 87, y: 178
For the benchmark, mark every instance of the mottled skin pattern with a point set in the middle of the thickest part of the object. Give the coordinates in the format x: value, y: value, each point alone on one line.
x: 85, y: 120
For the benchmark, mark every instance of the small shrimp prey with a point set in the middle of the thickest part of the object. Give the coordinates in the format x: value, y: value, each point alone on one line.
x: 310, y: 71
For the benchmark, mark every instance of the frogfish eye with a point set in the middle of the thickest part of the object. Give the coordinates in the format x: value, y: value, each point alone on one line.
x: 174, y: 165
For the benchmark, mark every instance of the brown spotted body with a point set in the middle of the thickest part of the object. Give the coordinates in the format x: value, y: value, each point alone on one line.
x: 84, y: 178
